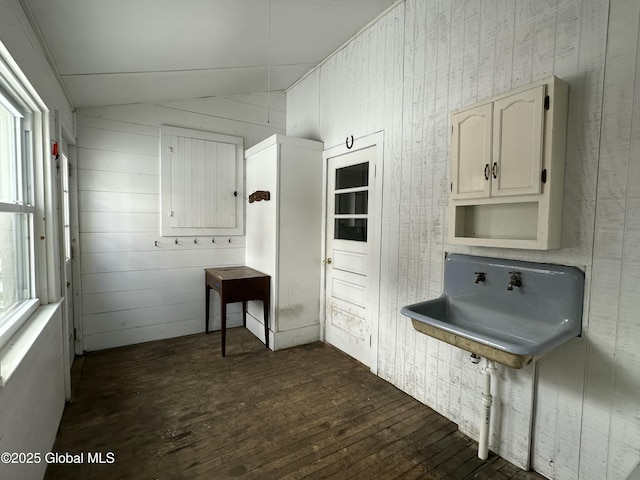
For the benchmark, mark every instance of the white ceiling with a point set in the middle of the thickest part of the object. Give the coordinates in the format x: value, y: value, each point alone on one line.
x: 111, y: 52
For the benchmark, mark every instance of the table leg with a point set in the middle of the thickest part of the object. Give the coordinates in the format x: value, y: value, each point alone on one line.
x: 244, y: 314
x: 207, y: 294
x: 223, y: 322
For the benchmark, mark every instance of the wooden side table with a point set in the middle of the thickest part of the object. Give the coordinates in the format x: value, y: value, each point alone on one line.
x: 237, y: 284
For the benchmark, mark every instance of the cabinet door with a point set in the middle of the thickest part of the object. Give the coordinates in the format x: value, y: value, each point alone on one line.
x: 517, y: 143
x: 471, y: 152
x: 202, y: 179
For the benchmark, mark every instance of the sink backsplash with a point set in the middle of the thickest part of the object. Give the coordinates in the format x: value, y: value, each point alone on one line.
x: 556, y: 291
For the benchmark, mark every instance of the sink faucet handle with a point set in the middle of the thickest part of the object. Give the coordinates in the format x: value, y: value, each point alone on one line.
x: 514, y: 281
x: 480, y: 277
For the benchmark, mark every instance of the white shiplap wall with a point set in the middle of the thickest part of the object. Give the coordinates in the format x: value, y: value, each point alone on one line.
x: 133, y: 291
x: 579, y: 413
x: 611, y: 409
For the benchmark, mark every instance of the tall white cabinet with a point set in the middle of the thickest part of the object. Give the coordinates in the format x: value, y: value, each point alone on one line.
x: 283, y: 236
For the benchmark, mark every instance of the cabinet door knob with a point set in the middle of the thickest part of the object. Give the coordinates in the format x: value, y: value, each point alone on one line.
x: 494, y: 169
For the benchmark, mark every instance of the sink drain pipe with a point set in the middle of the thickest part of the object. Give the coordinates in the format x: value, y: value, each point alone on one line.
x: 488, y: 368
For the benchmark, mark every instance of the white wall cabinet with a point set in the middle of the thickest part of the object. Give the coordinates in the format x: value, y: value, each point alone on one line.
x: 201, y: 181
x: 507, y: 169
x: 283, y: 236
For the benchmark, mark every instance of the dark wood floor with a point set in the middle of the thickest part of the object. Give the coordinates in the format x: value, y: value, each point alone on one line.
x: 174, y: 409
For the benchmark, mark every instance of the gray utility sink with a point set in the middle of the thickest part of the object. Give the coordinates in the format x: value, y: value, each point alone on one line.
x: 508, y: 311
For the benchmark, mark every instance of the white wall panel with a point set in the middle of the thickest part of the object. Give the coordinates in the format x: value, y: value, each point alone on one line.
x: 137, y: 280
x: 121, y: 162
x: 117, y: 141
x: 426, y: 58
x: 610, y: 420
x: 136, y: 334
x: 116, y: 301
x: 95, y: 201
x: 113, y: 321
x: 32, y: 398
x: 159, y: 259
x: 122, y: 182
x: 305, y: 103
x: 136, y: 285
x: 118, y: 222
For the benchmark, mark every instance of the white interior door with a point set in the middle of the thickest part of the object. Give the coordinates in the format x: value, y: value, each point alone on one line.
x: 352, y: 254
x: 67, y: 221
x: 67, y: 272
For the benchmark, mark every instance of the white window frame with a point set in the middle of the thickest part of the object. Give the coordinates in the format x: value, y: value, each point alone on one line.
x: 16, y: 91
x: 237, y: 200
x: 23, y: 204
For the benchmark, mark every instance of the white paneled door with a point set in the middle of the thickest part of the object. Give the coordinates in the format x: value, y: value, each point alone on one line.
x: 352, y: 254
x: 66, y: 270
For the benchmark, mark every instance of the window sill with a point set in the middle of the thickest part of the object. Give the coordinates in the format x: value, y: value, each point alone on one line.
x: 14, y: 321
x: 16, y: 349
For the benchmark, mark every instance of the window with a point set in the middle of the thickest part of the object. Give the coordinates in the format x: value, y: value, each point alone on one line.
x: 352, y: 202
x: 202, y: 183
x: 17, y: 291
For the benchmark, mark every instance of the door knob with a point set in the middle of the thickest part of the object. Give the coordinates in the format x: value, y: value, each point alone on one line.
x: 327, y: 261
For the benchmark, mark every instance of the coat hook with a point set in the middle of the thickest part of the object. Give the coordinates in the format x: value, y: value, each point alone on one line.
x: 195, y: 240
x: 229, y: 239
x: 213, y: 240
x: 176, y: 242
